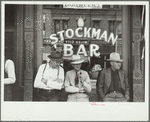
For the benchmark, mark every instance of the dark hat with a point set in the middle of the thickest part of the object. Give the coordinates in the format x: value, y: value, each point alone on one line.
x: 56, y: 56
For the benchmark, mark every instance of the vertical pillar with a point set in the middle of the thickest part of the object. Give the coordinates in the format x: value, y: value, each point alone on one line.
x: 127, y: 46
x: 125, y: 37
x: 20, y: 56
x: 39, y: 42
x: 138, y: 83
x: 29, y: 44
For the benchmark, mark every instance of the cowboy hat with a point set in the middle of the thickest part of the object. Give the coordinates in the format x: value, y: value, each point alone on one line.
x: 55, y: 56
x: 115, y: 57
x: 76, y: 59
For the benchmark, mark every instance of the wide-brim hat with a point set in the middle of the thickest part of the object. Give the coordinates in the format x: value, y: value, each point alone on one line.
x: 115, y: 57
x: 55, y: 56
x: 76, y: 59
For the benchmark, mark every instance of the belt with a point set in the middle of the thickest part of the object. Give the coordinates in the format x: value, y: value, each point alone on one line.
x: 115, y: 92
x: 78, y: 93
x: 48, y: 90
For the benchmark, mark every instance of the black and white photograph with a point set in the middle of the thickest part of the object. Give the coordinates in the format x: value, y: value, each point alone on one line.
x: 74, y: 60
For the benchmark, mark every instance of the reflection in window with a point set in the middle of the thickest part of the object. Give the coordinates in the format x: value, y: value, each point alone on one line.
x: 44, y: 27
x: 115, y: 27
x: 65, y: 24
x: 97, y: 64
x: 57, y: 25
x: 96, y: 24
x: 112, y: 6
x: 119, y: 29
x: 119, y: 6
x: 10, y: 11
x: 112, y: 27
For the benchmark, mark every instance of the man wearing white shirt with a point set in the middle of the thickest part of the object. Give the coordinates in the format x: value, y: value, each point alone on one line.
x: 9, y: 80
x: 50, y: 78
x: 77, y: 82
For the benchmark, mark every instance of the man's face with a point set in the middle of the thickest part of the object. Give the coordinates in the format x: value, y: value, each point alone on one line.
x: 76, y: 66
x: 115, y: 65
x: 54, y: 64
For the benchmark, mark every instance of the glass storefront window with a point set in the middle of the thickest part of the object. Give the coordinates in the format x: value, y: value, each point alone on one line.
x: 119, y: 29
x: 65, y: 24
x: 111, y: 27
x: 57, y: 25
x: 10, y: 12
x: 96, y: 24
x: 44, y: 27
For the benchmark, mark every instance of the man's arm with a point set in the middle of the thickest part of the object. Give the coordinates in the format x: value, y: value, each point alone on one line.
x: 100, y: 85
x: 38, y: 79
x: 57, y: 83
x: 86, y: 82
x: 11, y: 73
x: 126, y: 86
x: 68, y: 87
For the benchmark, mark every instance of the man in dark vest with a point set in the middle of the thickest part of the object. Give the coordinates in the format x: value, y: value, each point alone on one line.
x: 113, y: 82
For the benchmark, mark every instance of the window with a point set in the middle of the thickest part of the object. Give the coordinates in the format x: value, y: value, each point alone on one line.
x: 65, y: 24
x: 119, y: 6
x: 115, y: 26
x: 57, y: 25
x: 96, y: 24
x: 111, y: 6
x: 105, y: 6
x: 112, y: 27
x: 58, y: 6
x: 119, y: 29
x: 10, y: 12
x: 44, y: 28
x: 60, y: 25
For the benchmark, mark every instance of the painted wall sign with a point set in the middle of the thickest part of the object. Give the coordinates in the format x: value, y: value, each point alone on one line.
x: 76, y: 42
x: 83, y: 6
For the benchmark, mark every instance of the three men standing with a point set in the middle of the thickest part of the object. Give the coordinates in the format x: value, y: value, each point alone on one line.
x: 113, y: 82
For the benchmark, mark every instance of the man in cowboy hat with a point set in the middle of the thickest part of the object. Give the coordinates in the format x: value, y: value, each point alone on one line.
x: 49, y: 78
x: 113, y: 82
x: 77, y: 82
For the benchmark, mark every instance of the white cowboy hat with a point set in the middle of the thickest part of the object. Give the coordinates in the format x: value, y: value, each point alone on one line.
x: 115, y: 57
x: 76, y: 59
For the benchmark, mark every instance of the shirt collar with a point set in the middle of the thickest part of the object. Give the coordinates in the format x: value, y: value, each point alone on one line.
x: 114, y: 70
x: 48, y: 66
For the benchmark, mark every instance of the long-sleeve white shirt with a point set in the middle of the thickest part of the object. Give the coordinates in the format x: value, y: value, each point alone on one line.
x: 10, y: 70
x: 49, y: 74
x: 70, y: 81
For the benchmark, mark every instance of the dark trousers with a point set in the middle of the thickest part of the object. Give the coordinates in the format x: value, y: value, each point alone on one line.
x: 46, y: 95
x: 8, y: 92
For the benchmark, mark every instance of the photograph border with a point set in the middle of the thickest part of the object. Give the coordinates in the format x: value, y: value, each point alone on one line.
x: 49, y: 111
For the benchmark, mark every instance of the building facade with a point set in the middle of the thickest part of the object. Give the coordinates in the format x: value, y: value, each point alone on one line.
x: 28, y: 29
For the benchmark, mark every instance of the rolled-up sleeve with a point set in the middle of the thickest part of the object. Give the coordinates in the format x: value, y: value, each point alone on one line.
x: 38, y: 78
x: 11, y: 73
